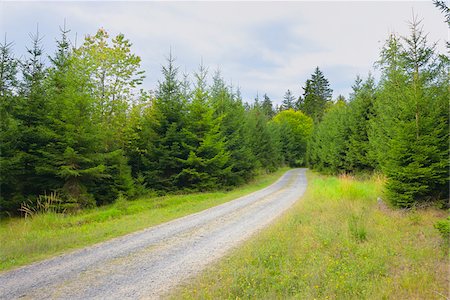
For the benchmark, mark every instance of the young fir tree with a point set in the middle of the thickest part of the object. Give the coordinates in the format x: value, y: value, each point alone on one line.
x: 413, y: 117
x: 204, y: 167
x: 263, y: 140
x: 34, y: 134
x: 316, y: 96
x: 75, y: 151
x: 9, y: 129
x: 170, y: 148
x: 359, y: 116
x: 329, y: 144
x: 229, y: 109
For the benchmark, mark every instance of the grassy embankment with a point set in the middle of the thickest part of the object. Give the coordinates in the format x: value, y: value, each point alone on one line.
x: 23, y: 241
x: 338, y: 242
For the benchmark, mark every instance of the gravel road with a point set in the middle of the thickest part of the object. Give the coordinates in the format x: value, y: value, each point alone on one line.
x: 148, y: 263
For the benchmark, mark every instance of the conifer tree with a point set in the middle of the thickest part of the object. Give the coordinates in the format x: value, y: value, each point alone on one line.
x: 413, y: 119
x: 360, y: 114
x: 229, y: 109
x: 263, y: 140
x: 171, y: 144
x: 329, y: 144
x: 9, y: 129
x: 267, y: 107
x: 317, y: 93
x: 203, y: 169
x: 31, y: 113
x: 288, y: 101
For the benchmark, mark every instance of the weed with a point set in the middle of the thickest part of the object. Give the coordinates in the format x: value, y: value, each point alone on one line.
x: 50, y: 203
x: 357, y: 227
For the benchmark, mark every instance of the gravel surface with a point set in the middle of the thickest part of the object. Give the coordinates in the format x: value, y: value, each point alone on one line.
x: 148, y: 263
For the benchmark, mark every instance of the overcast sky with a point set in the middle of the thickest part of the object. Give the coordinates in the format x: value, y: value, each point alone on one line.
x: 264, y: 47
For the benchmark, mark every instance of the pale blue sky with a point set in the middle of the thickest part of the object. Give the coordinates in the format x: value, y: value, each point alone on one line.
x: 264, y: 47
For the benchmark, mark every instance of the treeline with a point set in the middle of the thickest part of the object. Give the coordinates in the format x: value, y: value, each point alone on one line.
x: 80, y: 128
x: 399, y: 126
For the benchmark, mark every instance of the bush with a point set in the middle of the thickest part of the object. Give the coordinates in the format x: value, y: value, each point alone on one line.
x: 443, y: 226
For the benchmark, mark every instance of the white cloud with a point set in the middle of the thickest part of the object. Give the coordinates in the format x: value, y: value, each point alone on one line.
x: 264, y: 46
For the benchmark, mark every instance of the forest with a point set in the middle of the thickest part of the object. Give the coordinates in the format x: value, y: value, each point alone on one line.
x: 79, y: 131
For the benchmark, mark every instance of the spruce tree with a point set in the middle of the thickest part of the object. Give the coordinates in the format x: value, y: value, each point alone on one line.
x: 171, y: 145
x: 329, y: 144
x: 31, y: 112
x: 360, y: 114
x: 229, y: 109
x: 263, y: 140
x: 288, y: 101
x: 412, y: 118
x: 9, y: 129
x: 267, y: 107
x: 317, y: 93
x: 203, y: 169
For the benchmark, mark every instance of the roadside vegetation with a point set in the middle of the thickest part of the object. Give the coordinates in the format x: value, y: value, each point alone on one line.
x: 25, y: 240
x: 338, y: 242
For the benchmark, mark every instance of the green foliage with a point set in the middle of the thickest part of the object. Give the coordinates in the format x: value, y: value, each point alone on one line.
x: 267, y: 107
x: 171, y: 138
x: 329, y: 143
x: 264, y: 140
x: 443, y: 226
x: 295, y: 128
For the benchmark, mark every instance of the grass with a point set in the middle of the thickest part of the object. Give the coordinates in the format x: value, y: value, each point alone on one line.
x: 23, y: 241
x: 338, y: 242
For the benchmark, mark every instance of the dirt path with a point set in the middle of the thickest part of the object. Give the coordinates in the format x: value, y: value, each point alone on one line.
x: 148, y: 263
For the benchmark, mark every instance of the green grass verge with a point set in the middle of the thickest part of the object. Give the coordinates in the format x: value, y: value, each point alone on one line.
x: 23, y: 241
x: 338, y: 242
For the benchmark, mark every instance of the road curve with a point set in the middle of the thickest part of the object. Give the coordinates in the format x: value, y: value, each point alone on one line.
x: 148, y: 263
